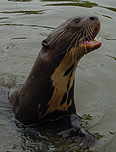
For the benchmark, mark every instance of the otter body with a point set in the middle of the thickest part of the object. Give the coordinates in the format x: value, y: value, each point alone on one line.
x: 48, y: 92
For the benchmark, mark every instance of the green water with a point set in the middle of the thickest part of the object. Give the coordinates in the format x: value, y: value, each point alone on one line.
x: 23, y: 25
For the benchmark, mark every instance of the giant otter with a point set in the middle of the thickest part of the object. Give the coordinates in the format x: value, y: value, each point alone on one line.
x: 48, y: 92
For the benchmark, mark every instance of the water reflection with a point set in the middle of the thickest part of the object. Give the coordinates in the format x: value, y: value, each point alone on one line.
x: 24, y: 12
x: 46, y: 27
x: 80, y: 3
x: 42, y: 138
x: 60, y: 0
x: 74, y: 3
x: 114, y: 58
x: 107, y: 16
x: 98, y: 136
x: 20, y: 0
x: 110, y: 8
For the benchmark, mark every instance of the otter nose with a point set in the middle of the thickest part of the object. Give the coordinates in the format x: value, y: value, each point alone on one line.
x: 92, y: 18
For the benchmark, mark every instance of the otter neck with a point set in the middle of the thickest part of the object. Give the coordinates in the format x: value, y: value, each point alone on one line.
x: 62, y: 99
x: 49, y: 89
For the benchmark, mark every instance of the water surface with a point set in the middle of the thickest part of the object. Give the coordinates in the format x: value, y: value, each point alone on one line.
x: 23, y: 25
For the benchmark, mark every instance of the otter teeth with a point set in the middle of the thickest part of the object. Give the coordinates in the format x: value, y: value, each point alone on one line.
x: 97, y: 39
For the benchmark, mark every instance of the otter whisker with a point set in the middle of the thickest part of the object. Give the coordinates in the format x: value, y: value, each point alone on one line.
x: 85, y: 49
x: 91, y: 31
x: 84, y: 32
x: 73, y: 35
x: 76, y: 37
x: 58, y: 36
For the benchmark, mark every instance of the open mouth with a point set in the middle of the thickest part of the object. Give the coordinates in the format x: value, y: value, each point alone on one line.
x: 91, y: 42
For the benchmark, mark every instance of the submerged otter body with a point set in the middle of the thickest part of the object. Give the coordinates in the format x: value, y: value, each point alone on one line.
x: 48, y: 92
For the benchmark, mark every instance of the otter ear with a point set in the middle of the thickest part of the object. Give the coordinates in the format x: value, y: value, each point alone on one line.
x: 46, y: 42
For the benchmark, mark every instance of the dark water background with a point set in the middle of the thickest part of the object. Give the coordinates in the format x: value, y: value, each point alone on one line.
x: 23, y: 25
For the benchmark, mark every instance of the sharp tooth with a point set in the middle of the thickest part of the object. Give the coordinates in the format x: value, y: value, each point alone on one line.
x: 99, y: 38
x: 95, y: 39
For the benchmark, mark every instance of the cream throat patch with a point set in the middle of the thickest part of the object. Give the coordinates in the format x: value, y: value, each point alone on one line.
x: 63, y: 78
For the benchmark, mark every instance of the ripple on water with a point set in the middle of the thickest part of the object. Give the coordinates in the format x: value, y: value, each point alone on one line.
x: 24, y: 24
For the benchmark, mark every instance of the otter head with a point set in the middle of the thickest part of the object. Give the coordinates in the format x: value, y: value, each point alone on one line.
x: 78, y: 33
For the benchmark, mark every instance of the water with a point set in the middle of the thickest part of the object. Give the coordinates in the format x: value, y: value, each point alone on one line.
x: 23, y: 25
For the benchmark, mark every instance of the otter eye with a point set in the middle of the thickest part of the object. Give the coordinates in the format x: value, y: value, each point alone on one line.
x: 77, y: 20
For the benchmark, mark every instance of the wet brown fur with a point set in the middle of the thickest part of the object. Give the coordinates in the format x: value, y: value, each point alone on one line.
x: 49, y: 89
